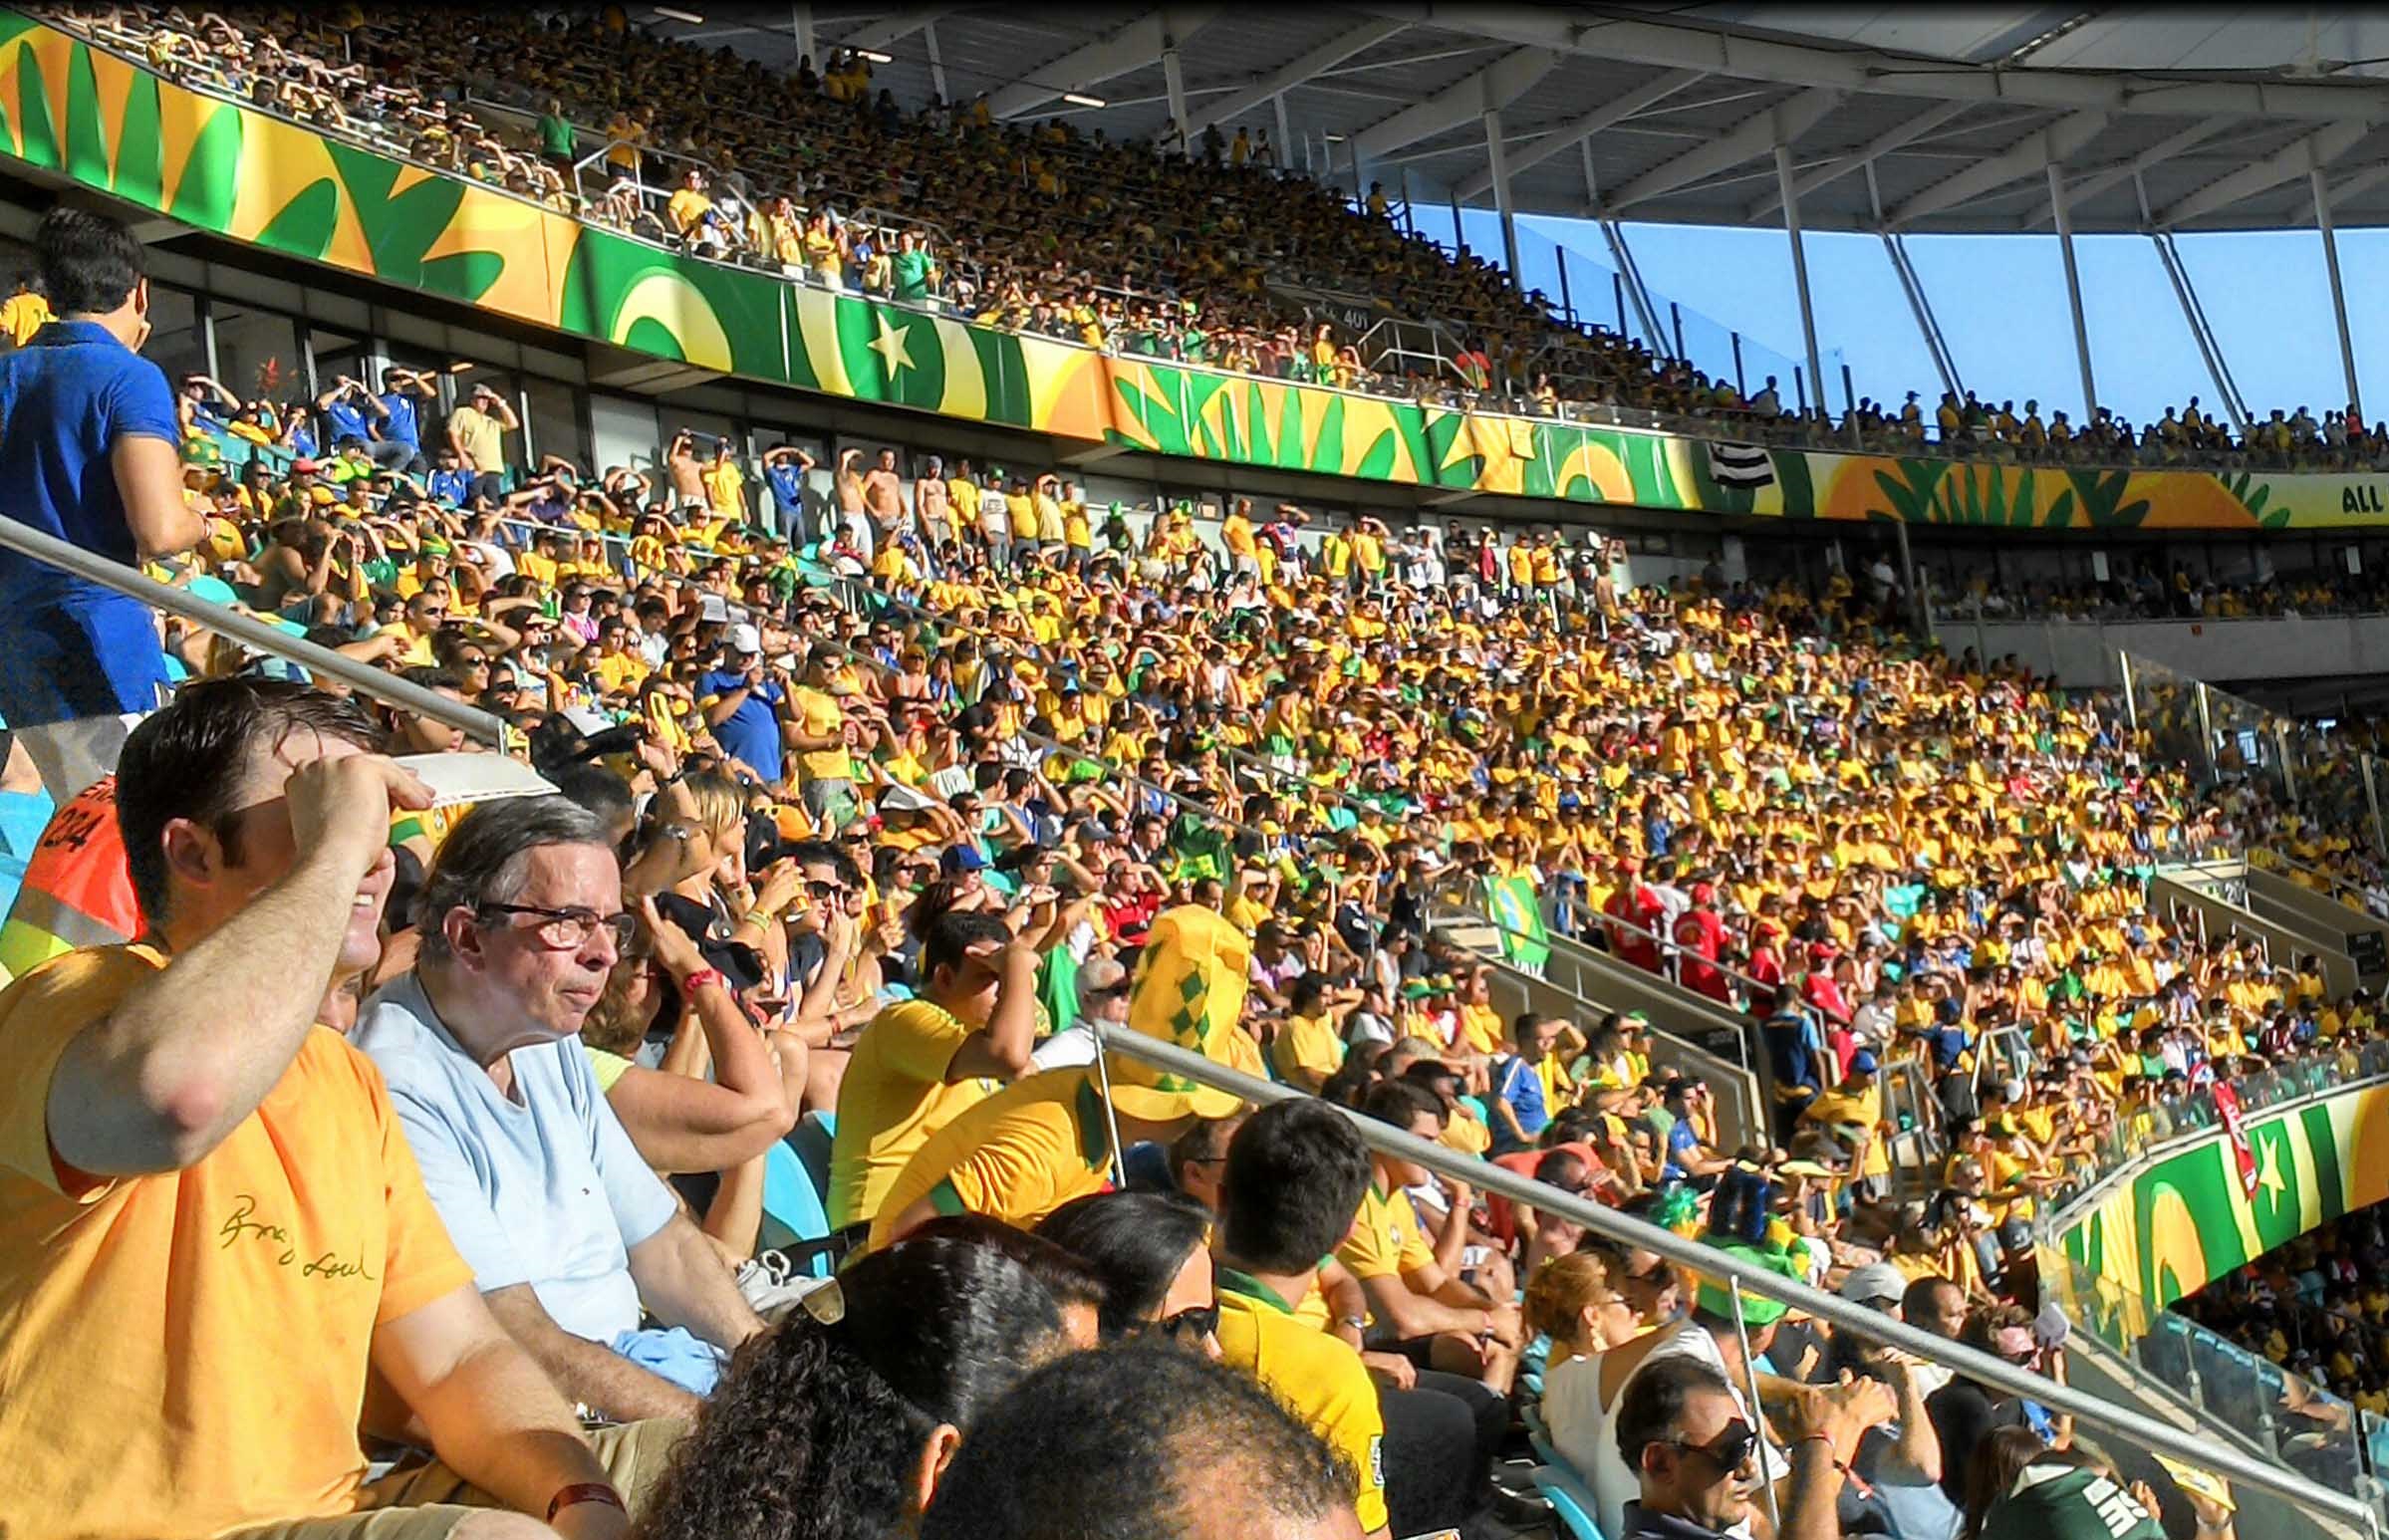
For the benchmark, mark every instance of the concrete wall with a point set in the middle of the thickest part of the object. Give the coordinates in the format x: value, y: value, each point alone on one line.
x: 2081, y: 653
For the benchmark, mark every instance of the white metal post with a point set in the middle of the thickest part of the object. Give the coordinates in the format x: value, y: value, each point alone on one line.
x: 2331, y: 263
x: 1498, y: 161
x: 800, y: 22
x: 928, y: 37
x: 2073, y: 290
x: 1285, y: 136
x: 1800, y: 258
x: 1173, y: 82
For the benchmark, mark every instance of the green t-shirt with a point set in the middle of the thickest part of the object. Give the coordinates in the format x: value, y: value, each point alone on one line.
x: 912, y: 275
x: 2067, y: 1502
x: 556, y: 137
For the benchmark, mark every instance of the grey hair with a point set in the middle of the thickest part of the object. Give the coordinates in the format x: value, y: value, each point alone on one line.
x: 486, y: 858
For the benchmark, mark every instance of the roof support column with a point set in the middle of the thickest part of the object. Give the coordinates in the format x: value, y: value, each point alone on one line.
x: 1497, y: 162
x: 1285, y: 136
x: 929, y: 36
x: 1799, y: 260
x: 800, y: 22
x: 2073, y: 289
x: 2331, y: 263
x: 1173, y: 82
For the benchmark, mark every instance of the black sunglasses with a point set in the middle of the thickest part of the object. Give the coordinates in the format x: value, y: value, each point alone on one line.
x: 1189, y: 1327
x: 1728, y: 1449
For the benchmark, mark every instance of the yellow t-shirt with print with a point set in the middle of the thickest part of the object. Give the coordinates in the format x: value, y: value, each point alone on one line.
x: 1319, y: 1378
x: 310, y: 1216
x: 1385, y: 1240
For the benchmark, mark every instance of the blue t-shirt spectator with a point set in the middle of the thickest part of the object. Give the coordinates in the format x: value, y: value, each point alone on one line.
x: 348, y: 420
x: 1681, y: 1141
x: 1792, y: 1044
x: 403, y: 425
x: 542, y: 1187
x: 1521, y: 1087
x: 752, y: 733
x: 452, y: 486
x: 787, y: 481
x: 70, y: 649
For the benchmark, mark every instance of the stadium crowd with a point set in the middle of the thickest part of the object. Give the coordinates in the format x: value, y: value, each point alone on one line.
x: 1163, y: 249
x: 864, y: 805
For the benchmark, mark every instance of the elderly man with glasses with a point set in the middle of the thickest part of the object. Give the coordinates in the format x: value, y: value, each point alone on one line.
x: 1684, y: 1434
x: 567, y: 1230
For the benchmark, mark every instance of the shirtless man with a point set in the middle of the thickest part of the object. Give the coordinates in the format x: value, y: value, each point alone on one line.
x: 687, y: 471
x: 849, y: 488
x: 882, y: 494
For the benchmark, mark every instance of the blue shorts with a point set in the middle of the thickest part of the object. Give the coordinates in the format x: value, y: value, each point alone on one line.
x: 77, y: 657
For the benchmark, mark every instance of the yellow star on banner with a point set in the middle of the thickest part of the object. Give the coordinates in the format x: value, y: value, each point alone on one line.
x: 891, y: 346
x: 2269, y: 1170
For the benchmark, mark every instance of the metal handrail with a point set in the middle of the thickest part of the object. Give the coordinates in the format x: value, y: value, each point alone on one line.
x: 1740, y: 1080
x: 1745, y: 1277
x: 364, y: 678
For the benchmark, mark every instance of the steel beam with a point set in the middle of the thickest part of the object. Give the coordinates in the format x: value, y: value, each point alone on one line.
x: 1496, y: 86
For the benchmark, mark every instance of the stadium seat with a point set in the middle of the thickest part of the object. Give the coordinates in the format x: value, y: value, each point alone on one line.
x: 810, y: 1141
x: 1570, y: 1499
x: 794, y: 1221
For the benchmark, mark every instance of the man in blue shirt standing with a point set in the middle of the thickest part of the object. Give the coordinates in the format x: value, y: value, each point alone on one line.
x: 90, y: 452
x: 744, y: 705
x: 785, y: 468
x: 404, y: 396
x: 1797, y: 1056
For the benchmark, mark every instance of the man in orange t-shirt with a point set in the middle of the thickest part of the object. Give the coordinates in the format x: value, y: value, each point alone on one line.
x: 211, y: 1222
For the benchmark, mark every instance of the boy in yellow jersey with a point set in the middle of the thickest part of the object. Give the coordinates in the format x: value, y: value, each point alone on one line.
x: 922, y: 1061
x: 1417, y: 1297
x: 1027, y: 1151
x: 1309, y: 1046
x: 1294, y: 1175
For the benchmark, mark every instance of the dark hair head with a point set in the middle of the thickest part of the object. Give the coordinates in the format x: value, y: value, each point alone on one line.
x: 1991, y: 1469
x: 1136, y: 1242
x: 487, y: 856
x: 949, y: 935
x: 1400, y: 1103
x: 193, y: 759
x: 1068, y: 1279
x: 1114, y: 1444
x: 814, y: 1433
x: 1295, y: 1174
x: 595, y: 789
x: 90, y: 262
x: 1651, y: 1408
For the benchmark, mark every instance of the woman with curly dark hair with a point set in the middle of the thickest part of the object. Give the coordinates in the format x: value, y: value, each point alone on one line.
x: 836, y: 1423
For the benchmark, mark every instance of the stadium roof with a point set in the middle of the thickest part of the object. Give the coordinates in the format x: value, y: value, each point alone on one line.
x: 2184, y: 117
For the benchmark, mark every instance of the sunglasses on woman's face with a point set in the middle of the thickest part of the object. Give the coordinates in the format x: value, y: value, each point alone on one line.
x: 1189, y: 1327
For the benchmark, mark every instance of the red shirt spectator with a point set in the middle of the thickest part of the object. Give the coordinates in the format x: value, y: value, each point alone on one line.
x: 1701, y: 934
x: 1637, y: 906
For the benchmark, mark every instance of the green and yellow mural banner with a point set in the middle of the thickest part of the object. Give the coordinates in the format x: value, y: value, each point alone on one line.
x: 110, y: 125
x: 2187, y: 1218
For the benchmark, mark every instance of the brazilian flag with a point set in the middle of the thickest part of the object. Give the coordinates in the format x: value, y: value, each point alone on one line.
x: 1513, y: 904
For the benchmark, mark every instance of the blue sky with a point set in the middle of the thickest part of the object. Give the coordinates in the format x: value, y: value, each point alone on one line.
x: 2001, y: 300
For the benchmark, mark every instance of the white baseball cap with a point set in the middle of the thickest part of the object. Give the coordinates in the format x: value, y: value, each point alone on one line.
x: 745, y: 640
